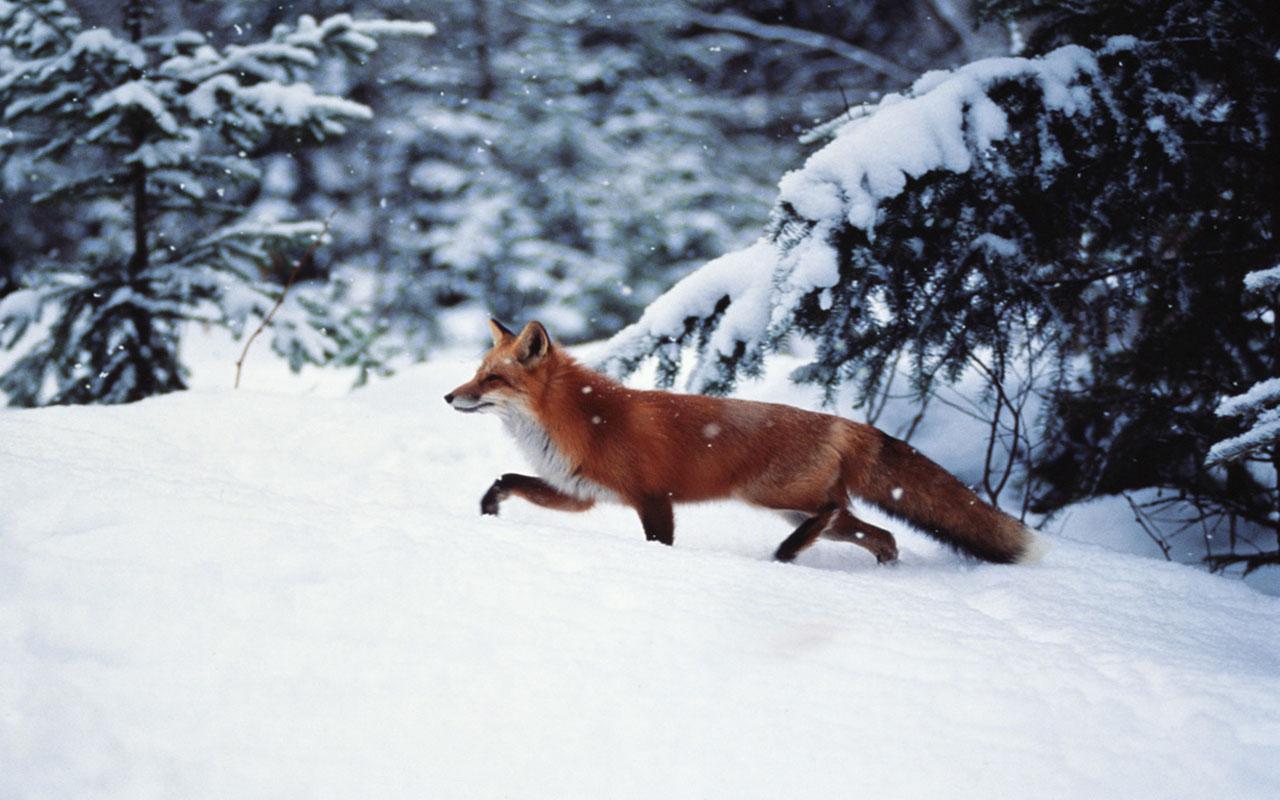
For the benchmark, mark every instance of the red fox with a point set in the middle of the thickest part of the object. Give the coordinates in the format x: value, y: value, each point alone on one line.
x: 592, y: 439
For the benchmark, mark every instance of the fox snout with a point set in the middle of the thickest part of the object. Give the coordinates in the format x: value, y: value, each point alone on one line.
x: 466, y: 401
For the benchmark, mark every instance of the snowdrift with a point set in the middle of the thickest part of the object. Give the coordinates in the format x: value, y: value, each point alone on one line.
x: 221, y: 594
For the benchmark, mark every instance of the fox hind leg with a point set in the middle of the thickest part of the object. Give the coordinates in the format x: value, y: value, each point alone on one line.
x: 848, y: 528
x: 804, y: 535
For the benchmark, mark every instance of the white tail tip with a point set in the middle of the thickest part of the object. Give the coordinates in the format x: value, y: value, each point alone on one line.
x: 1035, y: 548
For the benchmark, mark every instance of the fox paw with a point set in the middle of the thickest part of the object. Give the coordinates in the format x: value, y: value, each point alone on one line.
x: 489, y: 503
x: 887, y: 556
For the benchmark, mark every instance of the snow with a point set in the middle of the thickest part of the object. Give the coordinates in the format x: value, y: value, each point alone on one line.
x: 1263, y: 279
x: 99, y: 43
x: 102, y: 42
x: 354, y: 33
x: 288, y: 591
x: 291, y: 332
x: 998, y: 245
x: 1267, y: 391
x: 871, y: 160
x: 202, y: 101
x: 253, y: 229
x: 136, y: 94
x: 19, y: 307
x: 1265, y: 432
x: 1264, y: 429
x: 393, y: 27
x: 291, y: 48
x: 274, y: 64
x: 297, y: 103
x: 177, y: 152
x: 944, y: 122
x: 742, y: 276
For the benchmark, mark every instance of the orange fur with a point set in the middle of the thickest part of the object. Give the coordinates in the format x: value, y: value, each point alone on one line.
x: 597, y: 439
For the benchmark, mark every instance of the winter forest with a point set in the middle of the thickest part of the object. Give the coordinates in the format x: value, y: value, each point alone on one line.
x: 245, y: 248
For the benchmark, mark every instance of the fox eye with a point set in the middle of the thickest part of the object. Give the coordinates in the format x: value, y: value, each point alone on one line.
x: 492, y: 379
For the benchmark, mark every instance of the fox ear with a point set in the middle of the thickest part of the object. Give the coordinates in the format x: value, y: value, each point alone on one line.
x: 499, y: 332
x: 533, y: 344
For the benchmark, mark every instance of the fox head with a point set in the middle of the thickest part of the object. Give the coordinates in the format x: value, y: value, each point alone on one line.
x: 509, y: 373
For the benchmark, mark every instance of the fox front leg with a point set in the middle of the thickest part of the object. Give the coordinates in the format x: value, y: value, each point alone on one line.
x: 535, y: 490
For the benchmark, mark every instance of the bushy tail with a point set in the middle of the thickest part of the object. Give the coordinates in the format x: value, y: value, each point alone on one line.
x: 908, y: 485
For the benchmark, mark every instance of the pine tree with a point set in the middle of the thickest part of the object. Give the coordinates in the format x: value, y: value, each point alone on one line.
x: 570, y: 160
x: 147, y: 142
x: 566, y: 172
x: 1098, y: 206
x: 1182, y: 332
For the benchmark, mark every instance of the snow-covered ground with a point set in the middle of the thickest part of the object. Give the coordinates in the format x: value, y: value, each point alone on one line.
x: 288, y: 592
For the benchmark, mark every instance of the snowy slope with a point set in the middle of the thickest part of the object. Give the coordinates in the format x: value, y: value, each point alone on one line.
x: 223, y: 594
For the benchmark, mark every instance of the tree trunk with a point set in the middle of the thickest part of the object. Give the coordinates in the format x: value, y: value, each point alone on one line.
x: 135, y: 14
x: 484, y: 59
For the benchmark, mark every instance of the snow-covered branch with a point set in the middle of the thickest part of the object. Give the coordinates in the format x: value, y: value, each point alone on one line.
x: 1259, y: 406
x: 737, y: 306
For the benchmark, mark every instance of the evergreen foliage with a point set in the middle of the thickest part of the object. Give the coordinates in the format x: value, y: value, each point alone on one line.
x: 1175, y: 332
x: 569, y: 171
x: 1106, y: 237
x: 591, y: 198
x: 1255, y: 449
x: 568, y: 161
x: 147, y: 142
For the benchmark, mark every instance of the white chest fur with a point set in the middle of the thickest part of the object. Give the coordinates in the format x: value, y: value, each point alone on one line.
x: 547, y: 459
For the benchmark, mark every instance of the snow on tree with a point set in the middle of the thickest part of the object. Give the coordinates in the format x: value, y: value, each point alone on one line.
x: 1258, y: 410
x: 606, y: 148
x: 1260, y: 405
x: 148, y: 141
x: 571, y: 160
x: 1097, y: 205
x: 830, y: 223
x: 564, y: 172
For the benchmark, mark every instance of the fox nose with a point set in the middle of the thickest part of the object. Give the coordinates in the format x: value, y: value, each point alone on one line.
x: 448, y: 398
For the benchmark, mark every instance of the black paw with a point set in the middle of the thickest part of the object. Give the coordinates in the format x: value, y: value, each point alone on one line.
x: 489, y: 503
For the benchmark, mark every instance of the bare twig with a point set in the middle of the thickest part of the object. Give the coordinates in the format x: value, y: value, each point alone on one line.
x: 1140, y: 516
x: 844, y: 99
x: 876, y: 406
x: 953, y: 19
x: 1253, y: 561
x: 288, y: 284
x: 918, y: 418
x: 993, y: 435
x: 737, y: 23
x: 995, y: 379
x: 1026, y: 391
